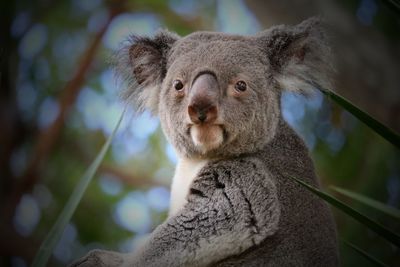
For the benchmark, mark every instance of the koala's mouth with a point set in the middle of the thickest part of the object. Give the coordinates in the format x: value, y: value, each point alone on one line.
x: 207, y: 137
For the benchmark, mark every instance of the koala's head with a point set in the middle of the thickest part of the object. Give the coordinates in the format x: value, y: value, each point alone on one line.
x: 217, y: 94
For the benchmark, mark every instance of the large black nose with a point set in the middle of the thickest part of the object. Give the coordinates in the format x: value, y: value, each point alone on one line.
x: 203, y: 99
x: 202, y: 112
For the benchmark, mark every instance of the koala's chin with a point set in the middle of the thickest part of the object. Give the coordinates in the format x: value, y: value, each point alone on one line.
x: 206, y: 137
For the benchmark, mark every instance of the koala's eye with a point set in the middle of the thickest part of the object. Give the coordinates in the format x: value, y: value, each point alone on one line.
x: 241, y: 86
x: 178, y: 85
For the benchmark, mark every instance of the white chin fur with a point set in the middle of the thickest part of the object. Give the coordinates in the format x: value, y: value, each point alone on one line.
x: 207, y: 137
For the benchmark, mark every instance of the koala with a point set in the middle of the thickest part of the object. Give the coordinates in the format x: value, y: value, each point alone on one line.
x: 218, y: 99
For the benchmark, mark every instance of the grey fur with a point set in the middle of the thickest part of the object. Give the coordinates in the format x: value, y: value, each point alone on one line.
x: 242, y: 209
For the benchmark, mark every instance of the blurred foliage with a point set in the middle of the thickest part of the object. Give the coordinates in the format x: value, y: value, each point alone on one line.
x: 44, y: 44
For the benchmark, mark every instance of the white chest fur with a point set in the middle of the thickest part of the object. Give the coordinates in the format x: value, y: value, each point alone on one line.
x: 185, y: 172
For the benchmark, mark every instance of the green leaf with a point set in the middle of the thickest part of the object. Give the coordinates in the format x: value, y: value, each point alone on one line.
x: 369, y: 202
x: 46, y: 248
x: 375, y: 125
x: 365, y: 254
x: 374, y: 226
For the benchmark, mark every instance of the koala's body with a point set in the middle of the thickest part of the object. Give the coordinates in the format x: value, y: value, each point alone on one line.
x: 218, y: 98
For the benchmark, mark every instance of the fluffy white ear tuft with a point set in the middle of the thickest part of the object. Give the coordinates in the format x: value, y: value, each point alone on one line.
x: 300, y: 57
x: 141, y: 65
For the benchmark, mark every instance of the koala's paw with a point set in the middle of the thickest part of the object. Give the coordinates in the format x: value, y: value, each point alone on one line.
x: 99, y: 258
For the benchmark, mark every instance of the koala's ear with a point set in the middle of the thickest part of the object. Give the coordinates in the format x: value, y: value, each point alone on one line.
x: 299, y: 56
x: 142, y: 64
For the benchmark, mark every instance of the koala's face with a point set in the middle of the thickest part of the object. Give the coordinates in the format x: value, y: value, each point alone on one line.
x: 217, y: 98
x: 216, y: 94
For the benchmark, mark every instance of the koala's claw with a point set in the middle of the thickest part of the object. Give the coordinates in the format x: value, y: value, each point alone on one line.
x: 99, y: 258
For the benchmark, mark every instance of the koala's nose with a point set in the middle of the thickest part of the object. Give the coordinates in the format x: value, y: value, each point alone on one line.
x: 203, y: 97
x: 202, y: 113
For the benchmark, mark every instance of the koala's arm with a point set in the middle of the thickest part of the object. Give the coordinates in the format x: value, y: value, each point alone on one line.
x: 231, y: 207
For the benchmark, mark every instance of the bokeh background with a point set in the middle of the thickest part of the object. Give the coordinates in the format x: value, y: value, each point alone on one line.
x: 59, y: 102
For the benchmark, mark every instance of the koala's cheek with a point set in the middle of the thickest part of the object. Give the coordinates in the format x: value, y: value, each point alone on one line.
x: 206, y: 138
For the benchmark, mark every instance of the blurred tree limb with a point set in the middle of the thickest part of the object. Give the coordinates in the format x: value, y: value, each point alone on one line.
x: 48, y: 137
x: 127, y: 178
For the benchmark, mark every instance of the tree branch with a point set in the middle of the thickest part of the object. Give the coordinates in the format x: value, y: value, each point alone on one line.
x: 129, y: 179
x: 48, y: 137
